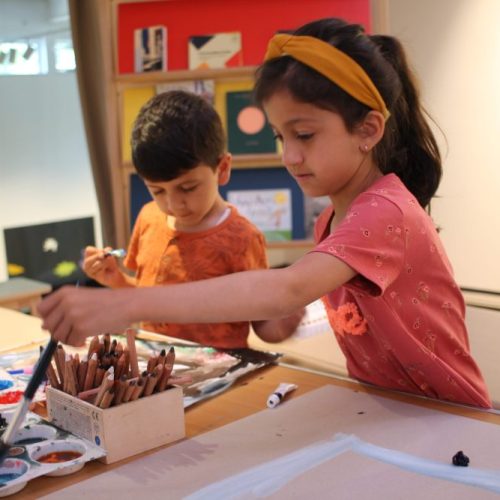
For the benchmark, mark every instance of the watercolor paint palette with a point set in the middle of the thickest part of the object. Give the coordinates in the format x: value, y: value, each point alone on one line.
x: 40, y: 449
x: 210, y: 371
x: 12, y: 388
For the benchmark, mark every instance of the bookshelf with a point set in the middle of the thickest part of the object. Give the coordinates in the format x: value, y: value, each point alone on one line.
x: 133, y: 90
x: 257, y: 23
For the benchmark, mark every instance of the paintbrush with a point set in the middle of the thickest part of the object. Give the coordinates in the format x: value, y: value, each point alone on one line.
x: 8, y: 437
x: 119, y: 253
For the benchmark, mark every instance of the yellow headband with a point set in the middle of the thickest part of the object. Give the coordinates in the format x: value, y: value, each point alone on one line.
x: 332, y: 63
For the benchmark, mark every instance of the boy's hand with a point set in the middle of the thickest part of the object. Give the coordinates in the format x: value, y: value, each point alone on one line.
x: 101, y: 267
x: 71, y: 314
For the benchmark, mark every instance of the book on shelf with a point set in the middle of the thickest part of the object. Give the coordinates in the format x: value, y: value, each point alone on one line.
x: 219, y: 50
x: 150, y: 49
x: 203, y: 88
x: 248, y: 131
x: 269, y: 209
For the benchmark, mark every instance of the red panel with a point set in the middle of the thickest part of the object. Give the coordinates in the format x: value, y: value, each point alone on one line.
x: 257, y: 20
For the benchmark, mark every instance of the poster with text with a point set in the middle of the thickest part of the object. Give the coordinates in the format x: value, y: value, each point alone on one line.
x: 269, y: 209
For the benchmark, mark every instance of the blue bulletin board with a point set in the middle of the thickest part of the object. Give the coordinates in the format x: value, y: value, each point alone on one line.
x: 139, y: 196
x: 270, y: 178
x: 241, y: 179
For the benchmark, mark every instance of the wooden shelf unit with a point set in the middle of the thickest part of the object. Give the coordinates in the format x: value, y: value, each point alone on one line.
x: 155, y: 77
x: 134, y: 82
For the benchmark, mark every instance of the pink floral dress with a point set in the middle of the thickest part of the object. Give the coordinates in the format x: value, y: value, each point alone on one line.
x: 400, y: 321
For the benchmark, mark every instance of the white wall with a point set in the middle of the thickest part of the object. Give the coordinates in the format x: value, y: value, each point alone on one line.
x: 454, y: 46
x: 45, y: 172
x: 44, y: 165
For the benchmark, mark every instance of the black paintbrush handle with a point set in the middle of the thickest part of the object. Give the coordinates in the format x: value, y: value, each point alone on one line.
x: 40, y: 369
x: 38, y: 374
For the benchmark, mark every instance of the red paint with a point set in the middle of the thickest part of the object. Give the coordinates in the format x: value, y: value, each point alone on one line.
x: 57, y: 457
x: 257, y: 20
x: 10, y: 397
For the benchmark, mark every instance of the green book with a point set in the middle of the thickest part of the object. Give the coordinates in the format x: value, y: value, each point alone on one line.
x: 247, y: 128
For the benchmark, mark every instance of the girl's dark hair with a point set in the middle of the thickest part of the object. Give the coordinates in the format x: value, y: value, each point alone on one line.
x: 408, y: 147
x: 175, y: 132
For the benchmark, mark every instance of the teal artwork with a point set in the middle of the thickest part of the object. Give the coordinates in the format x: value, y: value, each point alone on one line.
x: 247, y: 128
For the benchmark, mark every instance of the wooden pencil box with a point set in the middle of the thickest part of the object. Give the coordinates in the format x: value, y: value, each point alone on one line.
x: 123, y: 430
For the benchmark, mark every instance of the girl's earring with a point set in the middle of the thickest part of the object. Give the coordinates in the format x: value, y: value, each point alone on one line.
x: 364, y: 148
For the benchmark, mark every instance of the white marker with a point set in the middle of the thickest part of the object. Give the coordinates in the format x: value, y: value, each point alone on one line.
x: 119, y: 253
x: 275, y: 398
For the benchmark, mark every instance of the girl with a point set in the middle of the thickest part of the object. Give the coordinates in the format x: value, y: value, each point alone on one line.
x: 348, y: 115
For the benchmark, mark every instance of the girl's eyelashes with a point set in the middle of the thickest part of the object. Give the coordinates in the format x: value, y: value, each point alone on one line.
x: 304, y: 137
x: 300, y: 137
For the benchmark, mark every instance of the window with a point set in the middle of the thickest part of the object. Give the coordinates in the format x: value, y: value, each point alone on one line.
x: 64, y: 57
x: 31, y: 56
x: 24, y: 57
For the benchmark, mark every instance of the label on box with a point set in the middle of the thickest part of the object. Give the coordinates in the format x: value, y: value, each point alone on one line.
x: 69, y: 413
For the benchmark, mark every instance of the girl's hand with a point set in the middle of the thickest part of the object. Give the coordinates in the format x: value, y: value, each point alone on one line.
x: 71, y: 314
x: 277, y: 330
x: 101, y: 267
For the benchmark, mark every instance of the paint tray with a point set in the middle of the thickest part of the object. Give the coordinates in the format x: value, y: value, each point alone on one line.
x: 40, y: 449
x: 123, y: 430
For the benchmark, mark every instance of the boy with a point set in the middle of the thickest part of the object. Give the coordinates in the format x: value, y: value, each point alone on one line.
x: 188, y: 232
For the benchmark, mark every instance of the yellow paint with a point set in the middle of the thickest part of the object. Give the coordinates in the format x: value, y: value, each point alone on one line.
x: 15, y: 269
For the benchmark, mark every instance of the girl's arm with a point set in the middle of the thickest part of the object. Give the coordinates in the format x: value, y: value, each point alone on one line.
x: 277, y: 330
x: 72, y: 314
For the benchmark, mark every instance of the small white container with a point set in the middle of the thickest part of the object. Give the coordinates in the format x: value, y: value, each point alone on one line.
x: 13, y: 466
x: 39, y: 432
x: 66, y: 467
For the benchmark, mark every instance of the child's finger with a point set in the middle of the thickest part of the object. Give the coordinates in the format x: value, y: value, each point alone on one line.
x: 89, y: 251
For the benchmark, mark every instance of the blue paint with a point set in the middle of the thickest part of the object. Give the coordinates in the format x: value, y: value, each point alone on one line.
x: 16, y: 372
x: 6, y: 384
x: 5, y: 478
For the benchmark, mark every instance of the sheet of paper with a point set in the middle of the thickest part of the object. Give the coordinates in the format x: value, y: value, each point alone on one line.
x: 299, y: 426
x: 314, y: 322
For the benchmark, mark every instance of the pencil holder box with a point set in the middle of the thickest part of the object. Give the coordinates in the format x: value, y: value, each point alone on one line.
x: 123, y: 430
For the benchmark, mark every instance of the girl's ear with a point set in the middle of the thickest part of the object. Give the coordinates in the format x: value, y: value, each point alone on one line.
x: 224, y: 169
x: 371, y: 130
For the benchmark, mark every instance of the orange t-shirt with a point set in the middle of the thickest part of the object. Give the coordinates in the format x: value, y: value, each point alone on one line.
x: 160, y: 255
